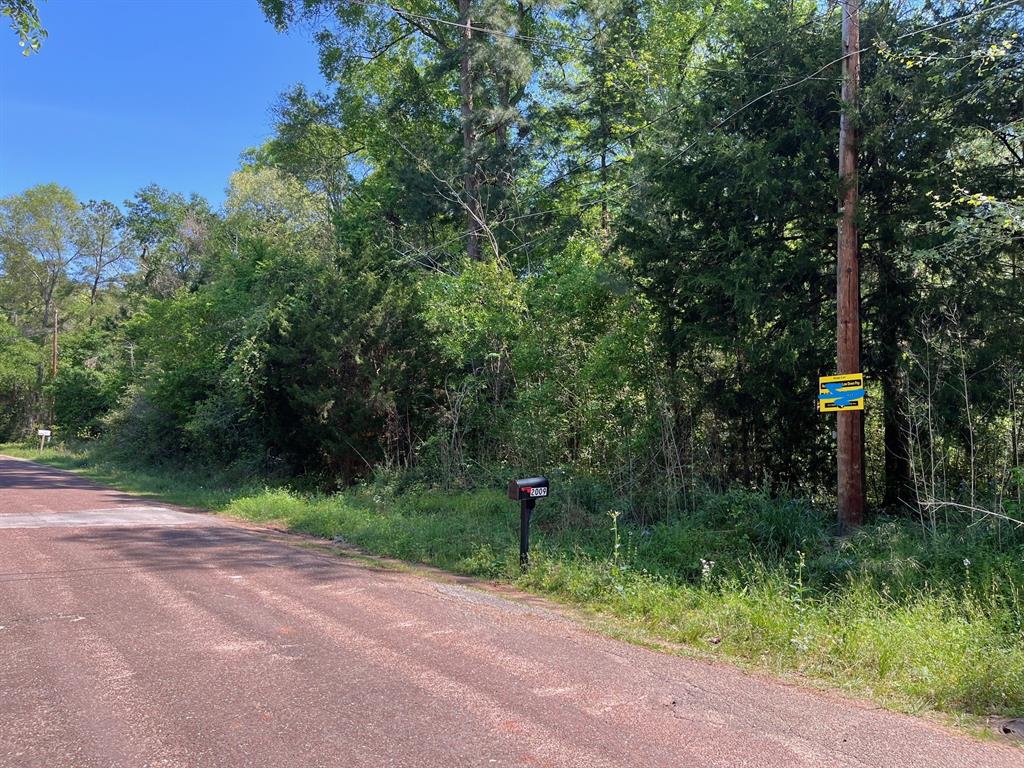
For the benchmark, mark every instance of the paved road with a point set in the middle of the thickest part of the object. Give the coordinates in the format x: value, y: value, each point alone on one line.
x: 135, y: 636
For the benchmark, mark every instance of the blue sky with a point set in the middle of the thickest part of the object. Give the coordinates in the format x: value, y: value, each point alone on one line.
x: 129, y: 92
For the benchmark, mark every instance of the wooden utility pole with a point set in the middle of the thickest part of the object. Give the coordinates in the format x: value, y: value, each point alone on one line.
x: 849, y: 424
x: 53, y: 353
x: 53, y: 369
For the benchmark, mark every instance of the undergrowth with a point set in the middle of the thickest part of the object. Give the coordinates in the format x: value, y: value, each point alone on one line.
x: 916, y: 620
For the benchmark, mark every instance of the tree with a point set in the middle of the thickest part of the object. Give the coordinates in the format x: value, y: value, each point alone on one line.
x: 107, y: 250
x: 410, y: 78
x: 731, y: 228
x: 171, y: 233
x: 938, y: 113
x: 266, y: 202
x: 41, y: 248
x: 25, y: 23
x: 606, y: 105
x: 19, y: 360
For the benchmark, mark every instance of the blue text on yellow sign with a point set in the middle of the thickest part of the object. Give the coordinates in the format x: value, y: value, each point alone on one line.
x: 844, y: 392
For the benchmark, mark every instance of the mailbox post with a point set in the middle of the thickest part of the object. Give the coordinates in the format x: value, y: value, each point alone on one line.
x: 526, y: 492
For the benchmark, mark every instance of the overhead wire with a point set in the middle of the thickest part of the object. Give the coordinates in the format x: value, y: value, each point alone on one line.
x: 584, y: 168
x: 548, y: 42
x: 603, y: 199
x: 718, y: 124
x: 814, y: 74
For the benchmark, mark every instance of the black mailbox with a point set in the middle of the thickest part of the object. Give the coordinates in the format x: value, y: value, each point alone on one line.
x: 529, y: 488
x: 526, y: 492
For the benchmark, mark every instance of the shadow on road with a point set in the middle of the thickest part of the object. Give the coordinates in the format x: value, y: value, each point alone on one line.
x: 19, y: 474
x: 207, y: 548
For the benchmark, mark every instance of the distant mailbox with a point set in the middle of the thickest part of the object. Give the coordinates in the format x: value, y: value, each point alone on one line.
x: 526, y: 492
x: 43, y: 432
x: 528, y: 488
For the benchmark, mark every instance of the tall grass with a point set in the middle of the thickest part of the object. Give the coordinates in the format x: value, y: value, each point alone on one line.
x: 914, y: 619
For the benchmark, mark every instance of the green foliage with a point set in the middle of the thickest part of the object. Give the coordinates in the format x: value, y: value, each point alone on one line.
x: 173, y: 234
x: 734, y: 249
x: 81, y: 401
x: 584, y: 381
x: 25, y: 24
x: 19, y: 361
x: 90, y: 378
x: 475, y: 313
x: 40, y: 236
x: 595, y: 239
x: 259, y: 366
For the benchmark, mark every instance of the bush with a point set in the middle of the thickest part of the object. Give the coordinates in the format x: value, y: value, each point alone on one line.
x: 141, y: 432
x: 19, y: 361
x: 81, y: 400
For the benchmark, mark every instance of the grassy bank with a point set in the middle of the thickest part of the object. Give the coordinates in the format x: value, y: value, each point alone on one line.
x: 916, y: 621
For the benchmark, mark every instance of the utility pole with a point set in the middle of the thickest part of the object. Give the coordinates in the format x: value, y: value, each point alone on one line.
x: 53, y: 354
x: 53, y: 369
x: 849, y: 424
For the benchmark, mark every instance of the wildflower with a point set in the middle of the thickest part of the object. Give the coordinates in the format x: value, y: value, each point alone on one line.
x: 967, y: 563
x: 706, y: 567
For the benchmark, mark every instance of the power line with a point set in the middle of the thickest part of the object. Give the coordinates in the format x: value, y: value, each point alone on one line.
x: 681, y: 152
x: 697, y: 67
x: 486, y: 30
x: 557, y: 44
x: 794, y: 84
x: 583, y: 168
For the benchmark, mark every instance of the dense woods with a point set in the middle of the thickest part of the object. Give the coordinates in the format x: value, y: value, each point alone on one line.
x: 591, y: 237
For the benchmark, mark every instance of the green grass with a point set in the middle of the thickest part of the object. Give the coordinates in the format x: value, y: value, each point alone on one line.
x: 175, y: 485
x: 914, y: 621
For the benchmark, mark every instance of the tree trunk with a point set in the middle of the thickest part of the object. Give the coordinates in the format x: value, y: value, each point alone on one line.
x: 471, y: 182
x: 606, y: 217
x: 897, y: 450
x: 894, y: 323
x: 94, y: 288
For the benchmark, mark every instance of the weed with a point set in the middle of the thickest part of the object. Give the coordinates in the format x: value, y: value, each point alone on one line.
x: 915, y: 619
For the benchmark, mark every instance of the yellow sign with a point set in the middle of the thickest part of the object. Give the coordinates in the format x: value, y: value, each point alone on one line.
x: 841, y: 393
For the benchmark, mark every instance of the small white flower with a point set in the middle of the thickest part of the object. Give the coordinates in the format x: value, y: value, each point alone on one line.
x: 967, y: 563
